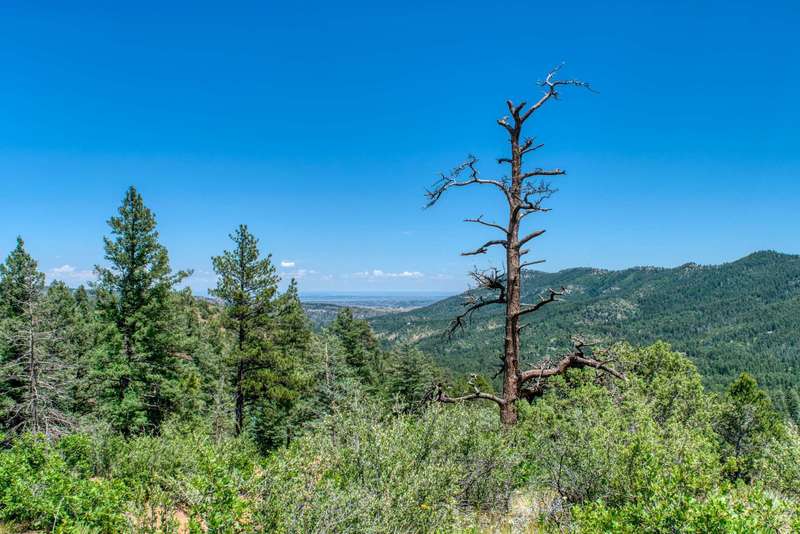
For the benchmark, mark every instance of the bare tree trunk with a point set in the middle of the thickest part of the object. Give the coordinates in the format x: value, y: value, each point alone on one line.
x: 239, y: 409
x: 239, y: 398
x: 33, y: 373
x: 523, y: 198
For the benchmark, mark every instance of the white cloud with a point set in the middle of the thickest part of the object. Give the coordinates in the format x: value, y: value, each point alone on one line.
x: 70, y: 274
x: 299, y: 273
x: 377, y: 273
x: 287, y: 263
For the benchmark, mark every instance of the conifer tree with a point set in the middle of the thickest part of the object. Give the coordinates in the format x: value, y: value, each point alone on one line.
x: 523, y: 192
x: 71, y: 321
x: 247, y: 285
x: 280, y: 402
x: 746, y: 424
x: 139, y: 365
x: 410, y: 377
x: 360, y: 346
x: 32, y: 370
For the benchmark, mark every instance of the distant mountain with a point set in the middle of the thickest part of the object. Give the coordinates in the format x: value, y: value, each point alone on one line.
x: 739, y: 316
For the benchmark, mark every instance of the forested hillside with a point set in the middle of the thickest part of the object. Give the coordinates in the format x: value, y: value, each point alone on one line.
x: 740, y: 316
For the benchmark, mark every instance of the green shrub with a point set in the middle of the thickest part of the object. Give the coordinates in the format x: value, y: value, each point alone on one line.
x: 363, y: 472
x: 42, y: 489
x: 727, y: 509
x: 188, y: 472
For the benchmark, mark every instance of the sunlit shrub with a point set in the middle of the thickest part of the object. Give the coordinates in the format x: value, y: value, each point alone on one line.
x: 363, y: 472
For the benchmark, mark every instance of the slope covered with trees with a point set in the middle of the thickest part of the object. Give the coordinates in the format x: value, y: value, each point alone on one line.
x: 740, y: 316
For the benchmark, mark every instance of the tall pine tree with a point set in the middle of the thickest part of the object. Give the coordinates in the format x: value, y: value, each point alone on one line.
x: 270, y: 336
x: 247, y: 285
x: 139, y: 365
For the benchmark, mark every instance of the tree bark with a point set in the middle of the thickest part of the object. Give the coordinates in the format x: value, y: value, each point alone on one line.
x: 239, y: 409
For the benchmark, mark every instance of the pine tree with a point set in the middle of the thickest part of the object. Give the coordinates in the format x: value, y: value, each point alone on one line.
x: 139, y: 367
x: 746, y: 423
x: 410, y: 377
x: 71, y: 321
x: 359, y: 344
x: 33, y: 370
x: 279, y: 410
x: 247, y: 285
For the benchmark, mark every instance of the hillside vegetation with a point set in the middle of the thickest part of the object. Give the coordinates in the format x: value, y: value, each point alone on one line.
x: 137, y: 407
x: 730, y: 318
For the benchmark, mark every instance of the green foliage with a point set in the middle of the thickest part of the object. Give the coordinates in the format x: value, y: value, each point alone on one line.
x: 725, y: 509
x: 740, y: 316
x: 644, y: 454
x: 589, y: 442
x: 409, y: 378
x: 269, y: 335
x: 138, y: 368
x: 365, y: 472
x: 336, y: 432
x: 33, y: 357
x: 746, y: 425
x: 359, y: 344
x: 185, y: 469
x: 590, y: 455
x: 45, y: 487
x: 778, y: 464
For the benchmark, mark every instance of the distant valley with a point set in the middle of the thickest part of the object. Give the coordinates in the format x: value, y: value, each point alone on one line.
x: 321, y: 308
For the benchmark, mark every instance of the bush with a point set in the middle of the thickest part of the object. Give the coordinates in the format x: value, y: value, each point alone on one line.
x: 184, y: 471
x: 47, y: 487
x: 363, y: 472
x: 726, y: 509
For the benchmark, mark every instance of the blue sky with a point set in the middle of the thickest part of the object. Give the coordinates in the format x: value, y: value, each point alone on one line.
x: 321, y: 125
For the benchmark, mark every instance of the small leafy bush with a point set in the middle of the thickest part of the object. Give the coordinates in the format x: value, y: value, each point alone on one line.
x: 45, y: 487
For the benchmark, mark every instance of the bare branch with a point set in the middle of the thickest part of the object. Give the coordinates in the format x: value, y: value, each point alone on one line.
x: 483, y: 249
x: 480, y: 220
x: 542, y: 172
x: 543, y: 301
x: 491, y: 280
x: 551, y: 86
x: 529, y: 263
x: 451, y: 180
x: 575, y: 359
x: 504, y: 123
x: 532, y: 235
x: 441, y: 396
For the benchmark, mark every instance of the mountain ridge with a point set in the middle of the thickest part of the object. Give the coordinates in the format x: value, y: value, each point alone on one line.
x: 742, y: 315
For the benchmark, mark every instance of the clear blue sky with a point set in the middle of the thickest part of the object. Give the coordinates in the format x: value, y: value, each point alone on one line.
x: 320, y: 126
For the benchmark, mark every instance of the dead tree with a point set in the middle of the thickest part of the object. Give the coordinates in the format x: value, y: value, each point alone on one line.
x: 525, y: 189
x: 36, y: 373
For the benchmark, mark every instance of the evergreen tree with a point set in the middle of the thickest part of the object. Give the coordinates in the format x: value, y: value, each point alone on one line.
x: 138, y: 368
x: 32, y: 366
x: 359, y: 344
x: 71, y: 322
x: 746, y: 424
x: 280, y: 407
x: 247, y: 285
x: 410, y: 377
